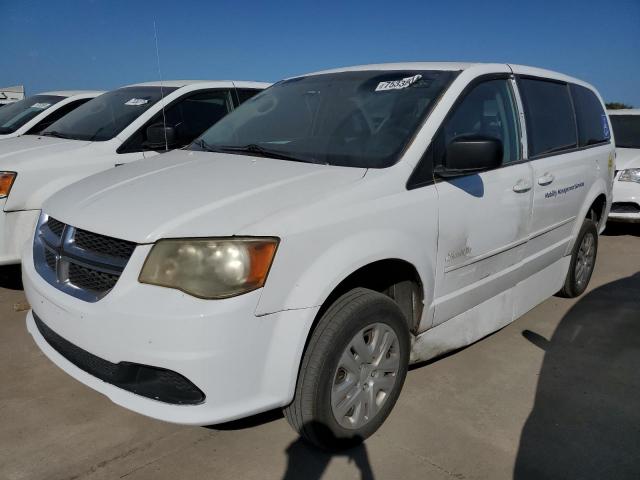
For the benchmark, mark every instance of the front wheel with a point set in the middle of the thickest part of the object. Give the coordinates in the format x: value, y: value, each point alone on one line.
x: 352, y: 371
x: 583, y: 261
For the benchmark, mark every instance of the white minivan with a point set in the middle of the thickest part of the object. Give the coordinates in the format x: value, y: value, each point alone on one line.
x: 33, y: 114
x: 316, y: 241
x: 120, y: 126
x: 626, y: 188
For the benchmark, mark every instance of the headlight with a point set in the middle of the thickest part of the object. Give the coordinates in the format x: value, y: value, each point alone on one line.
x: 6, y: 182
x: 630, y: 175
x: 210, y: 268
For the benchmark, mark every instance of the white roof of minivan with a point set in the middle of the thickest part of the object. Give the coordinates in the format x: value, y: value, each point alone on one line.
x: 456, y: 66
x: 624, y: 111
x: 183, y: 83
x: 71, y: 93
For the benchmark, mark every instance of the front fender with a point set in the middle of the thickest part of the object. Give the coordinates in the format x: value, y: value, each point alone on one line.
x: 295, y: 283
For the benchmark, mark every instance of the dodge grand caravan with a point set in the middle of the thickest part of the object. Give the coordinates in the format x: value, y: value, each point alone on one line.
x: 312, y: 244
x: 33, y: 114
x: 626, y: 188
x: 115, y: 128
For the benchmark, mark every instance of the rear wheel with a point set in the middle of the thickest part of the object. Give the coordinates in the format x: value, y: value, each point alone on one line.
x: 583, y: 261
x: 352, y: 371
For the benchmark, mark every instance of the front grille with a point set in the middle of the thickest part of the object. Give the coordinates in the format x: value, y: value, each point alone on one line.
x: 625, y: 207
x: 50, y: 258
x: 55, y: 226
x: 91, y: 279
x: 103, y: 245
x: 84, y: 264
x: 151, y: 382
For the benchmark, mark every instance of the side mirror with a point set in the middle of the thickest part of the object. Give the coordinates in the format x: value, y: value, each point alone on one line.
x: 159, y: 135
x: 471, y: 154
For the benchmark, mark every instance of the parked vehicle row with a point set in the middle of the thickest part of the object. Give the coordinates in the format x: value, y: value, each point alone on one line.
x: 311, y: 244
x: 626, y: 190
x: 113, y: 129
x: 33, y: 114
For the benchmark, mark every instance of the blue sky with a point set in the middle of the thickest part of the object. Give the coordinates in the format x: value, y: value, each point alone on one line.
x: 105, y: 44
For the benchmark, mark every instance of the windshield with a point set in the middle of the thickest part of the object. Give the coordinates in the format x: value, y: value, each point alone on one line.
x: 356, y: 119
x: 104, y: 117
x: 626, y: 129
x: 15, y: 115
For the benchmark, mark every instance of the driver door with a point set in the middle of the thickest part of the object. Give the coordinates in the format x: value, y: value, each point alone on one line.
x: 483, y: 218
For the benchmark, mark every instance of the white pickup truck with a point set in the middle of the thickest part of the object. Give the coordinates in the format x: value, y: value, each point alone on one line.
x: 33, y: 114
x: 115, y: 128
x: 310, y: 245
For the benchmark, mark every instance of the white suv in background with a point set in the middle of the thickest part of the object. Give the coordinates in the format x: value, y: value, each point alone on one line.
x: 115, y: 128
x: 33, y: 114
x: 626, y: 189
x: 330, y: 231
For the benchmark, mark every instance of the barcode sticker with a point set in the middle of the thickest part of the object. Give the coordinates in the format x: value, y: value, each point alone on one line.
x: 398, y: 84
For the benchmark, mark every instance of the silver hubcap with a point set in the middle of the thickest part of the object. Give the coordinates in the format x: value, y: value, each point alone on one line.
x: 365, y: 376
x: 585, y: 260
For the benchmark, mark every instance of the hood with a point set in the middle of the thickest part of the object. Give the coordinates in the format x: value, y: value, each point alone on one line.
x: 15, y: 152
x: 627, y: 158
x: 193, y: 194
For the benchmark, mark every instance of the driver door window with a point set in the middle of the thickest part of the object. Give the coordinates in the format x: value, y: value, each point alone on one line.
x: 189, y: 116
x: 487, y: 111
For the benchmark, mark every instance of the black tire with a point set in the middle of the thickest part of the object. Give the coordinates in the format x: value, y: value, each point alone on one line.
x: 572, y: 288
x: 310, y: 413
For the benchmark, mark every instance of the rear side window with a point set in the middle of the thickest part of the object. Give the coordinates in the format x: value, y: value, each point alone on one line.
x: 549, y: 115
x: 593, y: 127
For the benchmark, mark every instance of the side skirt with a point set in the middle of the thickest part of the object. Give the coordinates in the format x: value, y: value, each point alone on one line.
x: 491, y: 315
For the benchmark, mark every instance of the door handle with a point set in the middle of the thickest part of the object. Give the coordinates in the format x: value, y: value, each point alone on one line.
x: 119, y: 164
x: 522, y: 186
x: 546, y: 179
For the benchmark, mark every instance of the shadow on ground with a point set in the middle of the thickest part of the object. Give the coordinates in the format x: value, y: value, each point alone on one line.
x: 11, y: 277
x: 304, y: 461
x: 615, y: 229
x: 586, y: 419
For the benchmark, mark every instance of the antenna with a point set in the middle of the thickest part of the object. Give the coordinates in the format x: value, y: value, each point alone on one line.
x: 164, y: 119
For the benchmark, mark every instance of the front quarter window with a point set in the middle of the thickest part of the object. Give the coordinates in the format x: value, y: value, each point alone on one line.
x: 357, y: 119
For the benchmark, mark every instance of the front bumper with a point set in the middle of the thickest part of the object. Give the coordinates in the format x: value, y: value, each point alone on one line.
x: 243, y: 364
x: 15, y: 230
x: 627, y: 194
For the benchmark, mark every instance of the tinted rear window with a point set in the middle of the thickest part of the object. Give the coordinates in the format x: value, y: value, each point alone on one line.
x: 549, y: 115
x: 626, y: 129
x: 593, y: 127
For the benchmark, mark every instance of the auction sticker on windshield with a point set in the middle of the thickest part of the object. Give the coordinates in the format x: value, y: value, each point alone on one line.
x: 137, y: 101
x: 398, y: 84
x: 40, y: 106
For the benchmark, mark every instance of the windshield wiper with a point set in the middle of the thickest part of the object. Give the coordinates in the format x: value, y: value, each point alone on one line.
x: 53, y: 133
x: 255, y: 149
x: 205, y: 146
x: 251, y: 149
